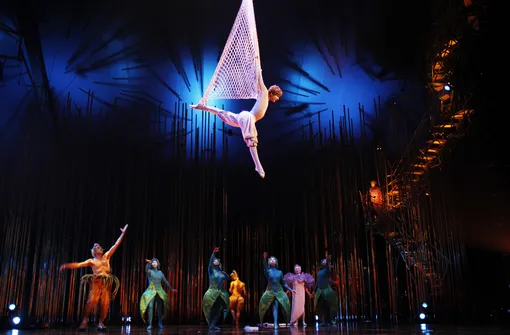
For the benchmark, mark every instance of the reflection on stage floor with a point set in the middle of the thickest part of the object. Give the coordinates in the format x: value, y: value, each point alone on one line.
x: 355, y: 329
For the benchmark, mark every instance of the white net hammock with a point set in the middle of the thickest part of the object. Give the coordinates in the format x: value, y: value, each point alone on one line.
x: 237, y: 72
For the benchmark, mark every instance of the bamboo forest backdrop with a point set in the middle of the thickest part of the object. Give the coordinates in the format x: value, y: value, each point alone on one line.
x: 68, y: 186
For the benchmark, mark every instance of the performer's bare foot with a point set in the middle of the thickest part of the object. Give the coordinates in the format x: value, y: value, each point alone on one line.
x: 260, y: 171
x: 198, y: 106
x: 83, y: 325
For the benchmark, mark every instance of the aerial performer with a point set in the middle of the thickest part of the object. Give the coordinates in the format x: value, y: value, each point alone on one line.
x: 302, y: 283
x: 216, y: 302
x: 100, y: 282
x: 155, y: 294
x: 274, y: 296
x: 238, y: 75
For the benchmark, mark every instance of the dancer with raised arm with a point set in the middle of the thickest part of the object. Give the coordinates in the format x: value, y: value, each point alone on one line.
x: 275, y: 292
x: 246, y: 120
x: 101, y: 281
x: 155, y: 294
x: 301, y: 282
x: 215, y: 303
x: 326, y: 300
x: 237, y: 293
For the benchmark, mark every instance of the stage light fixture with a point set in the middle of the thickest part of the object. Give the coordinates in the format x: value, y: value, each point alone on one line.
x: 422, y: 316
x: 12, y: 307
x: 16, y: 320
x: 425, y: 305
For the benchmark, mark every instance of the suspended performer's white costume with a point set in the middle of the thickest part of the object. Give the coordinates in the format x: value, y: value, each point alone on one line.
x: 246, y: 121
x: 238, y: 75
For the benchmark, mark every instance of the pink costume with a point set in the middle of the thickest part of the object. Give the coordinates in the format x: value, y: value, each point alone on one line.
x: 298, y: 282
x: 246, y: 120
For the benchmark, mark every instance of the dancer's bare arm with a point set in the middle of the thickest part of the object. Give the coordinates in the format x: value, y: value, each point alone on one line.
x: 76, y: 265
x: 110, y: 252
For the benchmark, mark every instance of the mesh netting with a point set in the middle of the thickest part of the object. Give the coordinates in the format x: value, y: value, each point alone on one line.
x: 237, y: 72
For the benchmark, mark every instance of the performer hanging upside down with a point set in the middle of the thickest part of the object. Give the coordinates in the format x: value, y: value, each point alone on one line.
x: 237, y: 291
x: 246, y: 120
x: 275, y: 293
x: 326, y: 300
x: 101, y: 281
x: 215, y: 303
x: 301, y: 282
x: 154, y: 294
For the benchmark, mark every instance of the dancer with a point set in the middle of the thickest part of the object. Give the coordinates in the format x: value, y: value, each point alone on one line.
x: 326, y: 300
x: 246, y: 120
x: 237, y: 291
x: 301, y: 283
x: 215, y: 303
x: 101, y: 281
x: 274, y: 294
x: 154, y: 294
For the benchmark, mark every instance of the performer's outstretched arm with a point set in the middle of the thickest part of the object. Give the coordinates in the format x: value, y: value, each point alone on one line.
x: 264, y: 264
x: 211, y: 260
x: 76, y: 265
x: 110, y: 252
x: 329, y: 267
x: 285, y: 286
x: 148, y: 266
x: 260, y: 80
x: 168, y: 284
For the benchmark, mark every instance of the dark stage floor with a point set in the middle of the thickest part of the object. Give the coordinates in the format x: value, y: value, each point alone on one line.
x: 351, y: 329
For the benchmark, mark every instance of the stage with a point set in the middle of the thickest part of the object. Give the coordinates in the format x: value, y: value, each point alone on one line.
x: 225, y: 329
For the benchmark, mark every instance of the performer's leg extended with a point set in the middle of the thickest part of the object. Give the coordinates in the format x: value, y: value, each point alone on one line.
x: 240, y: 305
x: 150, y: 313
x: 275, y: 313
x: 160, y: 308
x: 93, y: 299
x: 106, y: 298
x: 323, y: 307
x: 216, y: 311
x: 255, y: 157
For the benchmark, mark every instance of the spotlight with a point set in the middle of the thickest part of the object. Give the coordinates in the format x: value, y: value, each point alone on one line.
x: 425, y: 305
x: 12, y: 307
x: 447, y: 87
x: 422, y: 316
x: 16, y: 320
